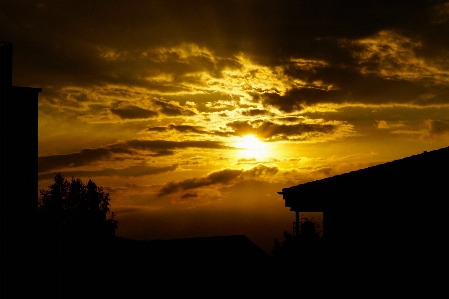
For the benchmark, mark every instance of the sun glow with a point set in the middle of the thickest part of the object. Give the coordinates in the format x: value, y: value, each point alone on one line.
x: 251, y: 147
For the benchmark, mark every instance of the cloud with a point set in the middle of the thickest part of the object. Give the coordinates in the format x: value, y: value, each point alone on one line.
x: 188, y: 129
x: 273, y: 131
x: 84, y: 157
x: 157, y: 129
x: 260, y: 171
x: 383, y: 124
x: 156, y: 145
x: 89, y: 156
x: 247, y: 161
x: 173, y: 108
x: 221, y: 177
x: 254, y: 112
x: 437, y: 127
x: 131, y: 171
x: 288, y: 55
x: 189, y: 195
x: 291, y: 118
x: 346, y: 87
x: 179, y: 128
x: 133, y: 112
x: 271, y: 32
x: 297, y: 99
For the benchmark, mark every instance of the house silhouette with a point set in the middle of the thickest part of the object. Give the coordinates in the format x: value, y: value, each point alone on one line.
x: 394, y: 214
x: 18, y: 146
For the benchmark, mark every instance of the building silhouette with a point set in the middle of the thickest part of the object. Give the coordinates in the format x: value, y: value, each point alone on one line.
x: 390, y: 215
x: 18, y: 146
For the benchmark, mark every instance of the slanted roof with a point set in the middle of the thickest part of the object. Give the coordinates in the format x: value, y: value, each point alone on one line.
x: 235, y: 245
x: 235, y: 251
x: 417, y: 176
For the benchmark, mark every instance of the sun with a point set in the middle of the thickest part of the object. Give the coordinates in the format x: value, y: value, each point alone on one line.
x: 250, y: 142
x: 251, y: 147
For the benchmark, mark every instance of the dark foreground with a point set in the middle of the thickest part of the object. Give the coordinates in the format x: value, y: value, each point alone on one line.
x: 221, y: 252
x: 210, y: 267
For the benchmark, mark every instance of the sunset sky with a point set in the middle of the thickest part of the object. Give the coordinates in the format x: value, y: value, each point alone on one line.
x: 194, y: 114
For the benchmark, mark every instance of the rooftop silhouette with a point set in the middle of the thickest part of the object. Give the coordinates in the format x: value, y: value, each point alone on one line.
x: 394, y: 214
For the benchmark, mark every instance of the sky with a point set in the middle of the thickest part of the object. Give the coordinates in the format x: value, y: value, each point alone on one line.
x: 192, y: 115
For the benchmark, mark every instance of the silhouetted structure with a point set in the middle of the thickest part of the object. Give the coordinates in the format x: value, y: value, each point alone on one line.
x: 19, y: 136
x: 390, y: 215
x: 121, y: 253
x: 235, y: 251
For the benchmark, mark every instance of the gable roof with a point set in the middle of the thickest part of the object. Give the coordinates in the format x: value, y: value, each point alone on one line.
x: 416, y: 176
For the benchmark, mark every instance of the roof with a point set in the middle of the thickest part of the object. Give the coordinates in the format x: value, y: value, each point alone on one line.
x: 35, y: 89
x: 235, y: 251
x: 23, y: 89
x: 232, y: 252
x: 416, y: 176
x: 234, y: 245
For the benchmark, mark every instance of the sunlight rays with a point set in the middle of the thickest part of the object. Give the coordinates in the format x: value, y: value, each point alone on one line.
x: 251, y: 147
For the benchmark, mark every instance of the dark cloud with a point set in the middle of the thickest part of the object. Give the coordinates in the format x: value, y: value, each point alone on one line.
x: 105, y: 44
x: 152, y: 145
x: 221, y: 177
x: 132, y: 112
x: 254, y: 112
x: 359, y: 88
x: 437, y: 127
x: 84, y: 157
x: 162, y: 152
x: 259, y: 171
x: 189, y: 195
x: 65, y: 35
x: 270, y: 130
x: 88, y: 156
x: 157, y: 129
x: 291, y: 119
x: 132, y: 171
x: 198, y: 61
x: 263, y: 129
x: 171, y: 109
x: 297, y: 99
x: 188, y: 129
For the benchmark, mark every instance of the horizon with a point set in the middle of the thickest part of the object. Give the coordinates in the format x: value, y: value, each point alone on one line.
x: 193, y: 116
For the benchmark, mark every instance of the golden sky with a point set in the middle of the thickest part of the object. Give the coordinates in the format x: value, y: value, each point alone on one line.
x: 193, y: 114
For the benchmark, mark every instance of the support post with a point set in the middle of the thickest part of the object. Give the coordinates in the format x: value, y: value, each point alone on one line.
x: 297, y: 223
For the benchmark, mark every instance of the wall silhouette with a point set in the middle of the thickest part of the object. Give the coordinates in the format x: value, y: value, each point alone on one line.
x: 18, y: 146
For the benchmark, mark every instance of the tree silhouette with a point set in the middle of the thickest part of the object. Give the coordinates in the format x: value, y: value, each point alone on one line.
x: 74, y: 210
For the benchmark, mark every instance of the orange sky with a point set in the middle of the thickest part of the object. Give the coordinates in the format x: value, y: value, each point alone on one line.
x: 155, y: 101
